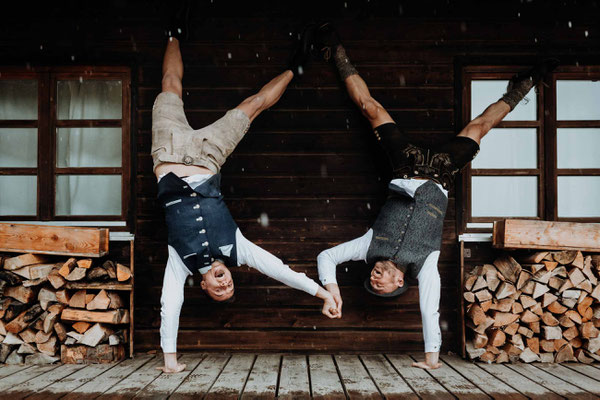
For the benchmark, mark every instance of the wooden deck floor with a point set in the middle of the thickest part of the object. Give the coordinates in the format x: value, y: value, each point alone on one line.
x: 248, y: 376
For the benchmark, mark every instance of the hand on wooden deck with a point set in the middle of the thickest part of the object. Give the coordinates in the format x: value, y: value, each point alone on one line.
x: 424, y: 365
x: 431, y: 361
x: 168, y: 370
x: 171, y: 365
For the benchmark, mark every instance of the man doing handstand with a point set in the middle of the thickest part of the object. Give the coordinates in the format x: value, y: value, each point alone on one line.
x: 407, y: 234
x: 202, y: 235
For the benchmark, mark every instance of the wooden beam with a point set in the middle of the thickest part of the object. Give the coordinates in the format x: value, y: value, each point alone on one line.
x: 60, y: 240
x: 548, y: 235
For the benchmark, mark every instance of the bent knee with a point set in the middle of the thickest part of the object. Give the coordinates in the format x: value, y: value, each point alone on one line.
x: 253, y: 105
x: 477, y: 129
x: 371, y: 109
x: 172, y: 83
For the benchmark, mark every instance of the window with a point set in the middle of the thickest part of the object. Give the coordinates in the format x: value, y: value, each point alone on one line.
x: 543, y: 160
x: 65, y: 144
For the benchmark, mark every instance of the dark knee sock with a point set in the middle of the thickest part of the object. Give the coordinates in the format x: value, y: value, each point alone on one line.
x: 517, y: 92
x: 342, y: 62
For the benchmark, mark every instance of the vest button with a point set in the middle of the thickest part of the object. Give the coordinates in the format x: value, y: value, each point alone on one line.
x: 187, y: 160
x: 194, y: 194
x: 199, y: 219
x: 202, y: 231
x: 205, y: 244
x: 197, y: 206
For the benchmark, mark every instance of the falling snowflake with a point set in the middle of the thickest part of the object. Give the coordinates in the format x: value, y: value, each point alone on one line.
x: 570, y: 24
x: 229, y: 56
x: 263, y: 220
x: 368, y: 206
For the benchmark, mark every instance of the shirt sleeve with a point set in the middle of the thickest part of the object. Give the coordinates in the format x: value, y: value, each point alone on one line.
x: 171, y: 301
x: 258, y: 258
x: 354, y: 250
x: 429, y: 301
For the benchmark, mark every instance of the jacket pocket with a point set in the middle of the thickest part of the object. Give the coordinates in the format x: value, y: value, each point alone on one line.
x: 173, y: 202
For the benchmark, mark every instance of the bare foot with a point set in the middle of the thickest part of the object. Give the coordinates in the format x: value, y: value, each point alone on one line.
x: 424, y: 365
x: 178, y: 368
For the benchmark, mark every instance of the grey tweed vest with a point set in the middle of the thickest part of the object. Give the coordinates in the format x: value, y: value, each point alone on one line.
x: 407, y: 230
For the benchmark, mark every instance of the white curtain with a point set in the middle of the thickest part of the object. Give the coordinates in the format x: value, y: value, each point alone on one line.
x: 88, y: 147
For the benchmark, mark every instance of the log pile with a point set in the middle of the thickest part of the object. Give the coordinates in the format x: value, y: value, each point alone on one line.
x: 544, y: 307
x: 55, y: 307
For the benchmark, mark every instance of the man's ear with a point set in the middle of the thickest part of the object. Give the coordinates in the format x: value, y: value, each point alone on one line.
x: 203, y: 284
x: 399, y: 280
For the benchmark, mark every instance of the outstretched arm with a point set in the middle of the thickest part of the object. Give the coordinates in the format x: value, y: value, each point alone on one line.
x: 429, y: 302
x: 256, y: 257
x: 328, y: 260
x: 171, y: 301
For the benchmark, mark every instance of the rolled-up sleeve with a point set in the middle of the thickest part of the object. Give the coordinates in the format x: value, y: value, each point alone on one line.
x: 171, y: 301
x: 429, y: 302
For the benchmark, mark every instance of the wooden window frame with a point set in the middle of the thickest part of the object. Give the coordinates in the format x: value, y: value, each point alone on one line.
x: 546, y: 125
x: 47, y: 124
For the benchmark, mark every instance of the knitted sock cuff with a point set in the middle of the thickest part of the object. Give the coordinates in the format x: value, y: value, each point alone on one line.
x: 342, y: 62
x: 517, y: 93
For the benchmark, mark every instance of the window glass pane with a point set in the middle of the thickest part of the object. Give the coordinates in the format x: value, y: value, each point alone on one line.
x: 577, y: 100
x: 18, y: 99
x: 578, y: 196
x: 18, y: 195
x: 89, y: 99
x: 578, y: 147
x: 88, y: 195
x: 18, y: 147
x: 485, y: 93
x: 504, y: 196
x: 508, y: 148
x: 88, y: 147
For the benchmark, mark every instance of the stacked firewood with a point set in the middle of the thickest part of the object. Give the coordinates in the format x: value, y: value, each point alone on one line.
x: 546, y: 307
x: 44, y: 315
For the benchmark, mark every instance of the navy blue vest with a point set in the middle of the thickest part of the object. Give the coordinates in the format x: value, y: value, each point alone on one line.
x: 407, y: 230
x: 200, y: 227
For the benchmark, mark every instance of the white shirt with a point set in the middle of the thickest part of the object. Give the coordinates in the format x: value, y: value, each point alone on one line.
x: 429, y: 277
x: 248, y: 253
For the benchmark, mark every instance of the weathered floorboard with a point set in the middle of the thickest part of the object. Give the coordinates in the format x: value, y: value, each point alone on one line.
x: 165, y: 384
x: 293, y: 381
x: 551, y: 382
x: 70, y: 383
x: 108, y: 379
x: 454, y: 382
x: 324, y: 379
x: 135, y: 382
x: 30, y: 373
x: 201, y: 378
x: 582, y: 381
x: 421, y: 382
x: 527, y: 386
x: 356, y: 379
x: 40, y: 382
x: 230, y: 383
x: 486, y: 382
x: 262, y: 382
x: 587, y: 370
x: 391, y: 385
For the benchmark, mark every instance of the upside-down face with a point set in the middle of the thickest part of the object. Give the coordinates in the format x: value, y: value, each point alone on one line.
x: 386, y: 277
x: 217, y: 282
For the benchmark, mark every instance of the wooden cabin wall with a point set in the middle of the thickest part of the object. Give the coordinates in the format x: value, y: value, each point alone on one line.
x: 310, y: 163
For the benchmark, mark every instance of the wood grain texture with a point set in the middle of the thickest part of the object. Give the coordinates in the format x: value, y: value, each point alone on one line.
x: 56, y: 240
